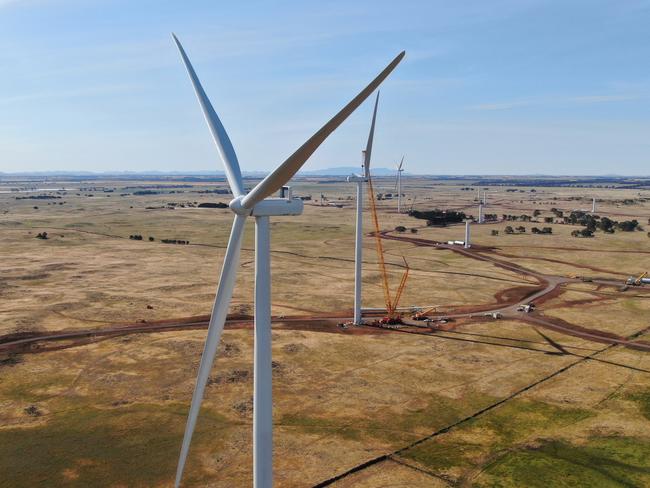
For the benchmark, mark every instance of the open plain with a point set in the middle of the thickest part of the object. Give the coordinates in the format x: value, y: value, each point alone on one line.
x: 102, y: 326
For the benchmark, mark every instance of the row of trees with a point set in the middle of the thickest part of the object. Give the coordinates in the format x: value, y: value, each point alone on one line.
x: 174, y: 241
x: 401, y: 228
x: 582, y: 233
x: 439, y: 217
x: 605, y: 224
x: 517, y: 230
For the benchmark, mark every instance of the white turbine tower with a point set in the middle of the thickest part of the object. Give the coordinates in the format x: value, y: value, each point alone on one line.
x: 399, y: 185
x: 467, y: 243
x: 358, y: 243
x: 256, y: 203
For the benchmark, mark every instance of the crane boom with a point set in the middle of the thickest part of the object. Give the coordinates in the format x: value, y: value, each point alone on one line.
x: 391, y: 306
x: 400, y: 288
x: 379, y: 246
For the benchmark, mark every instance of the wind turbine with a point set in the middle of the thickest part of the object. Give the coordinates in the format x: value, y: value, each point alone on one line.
x: 481, y: 204
x: 255, y: 203
x: 399, y: 185
x: 358, y: 243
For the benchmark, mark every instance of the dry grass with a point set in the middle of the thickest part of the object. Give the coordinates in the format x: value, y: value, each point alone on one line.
x: 113, y: 412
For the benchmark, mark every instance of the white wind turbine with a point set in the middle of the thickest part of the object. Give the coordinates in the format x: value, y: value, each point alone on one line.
x: 256, y: 203
x: 358, y: 244
x: 399, y: 185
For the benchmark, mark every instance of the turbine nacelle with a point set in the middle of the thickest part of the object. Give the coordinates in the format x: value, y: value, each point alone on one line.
x: 268, y: 207
x: 356, y: 179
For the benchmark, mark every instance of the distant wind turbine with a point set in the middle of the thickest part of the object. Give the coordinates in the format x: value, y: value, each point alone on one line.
x: 255, y: 203
x: 399, y: 185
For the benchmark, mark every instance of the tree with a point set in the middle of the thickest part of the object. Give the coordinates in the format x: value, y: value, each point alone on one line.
x: 535, y: 230
x: 414, y: 230
x: 41, y: 235
x: 548, y: 220
x: 537, y: 213
x: 607, y: 225
x: 521, y: 229
x: 496, y: 232
x: 547, y: 230
x: 509, y: 230
x: 400, y: 228
x: 628, y: 225
x: 151, y: 239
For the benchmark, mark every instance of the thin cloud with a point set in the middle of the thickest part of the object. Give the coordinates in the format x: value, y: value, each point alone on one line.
x: 585, y: 99
x: 62, y: 94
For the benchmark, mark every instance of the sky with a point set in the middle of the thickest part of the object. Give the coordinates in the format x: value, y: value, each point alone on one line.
x: 487, y: 87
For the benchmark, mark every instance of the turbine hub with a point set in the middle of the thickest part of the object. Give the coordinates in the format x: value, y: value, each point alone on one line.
x: 237, y: 207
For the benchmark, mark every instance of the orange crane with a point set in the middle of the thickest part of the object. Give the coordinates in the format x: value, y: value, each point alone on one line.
x: 424, y: 314
x: 392, y: 317
x: 638, y: 281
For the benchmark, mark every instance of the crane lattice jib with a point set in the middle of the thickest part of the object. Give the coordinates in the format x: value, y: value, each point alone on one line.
x: 400, y: 288
x: 380, y: 249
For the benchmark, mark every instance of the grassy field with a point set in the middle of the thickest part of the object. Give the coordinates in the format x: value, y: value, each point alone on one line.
x: 485, y: 403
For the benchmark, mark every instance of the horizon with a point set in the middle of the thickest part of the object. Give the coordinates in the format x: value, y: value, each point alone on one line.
x: 515, y: 86
x: 383, y: 172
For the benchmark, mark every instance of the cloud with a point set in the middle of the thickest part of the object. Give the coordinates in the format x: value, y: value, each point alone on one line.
x: 604, y: 98
x: 502, y: 105
x: 61, y: 94
x: 540, y: 101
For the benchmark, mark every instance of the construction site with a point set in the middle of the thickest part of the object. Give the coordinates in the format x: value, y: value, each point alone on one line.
x: 479, y: 355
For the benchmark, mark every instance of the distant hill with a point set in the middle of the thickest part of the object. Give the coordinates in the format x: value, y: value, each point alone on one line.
x: 336, y: 171
x: 347, y: 170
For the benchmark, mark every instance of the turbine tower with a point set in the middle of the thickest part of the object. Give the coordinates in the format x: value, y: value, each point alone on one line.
x: 358, y: 244
x: 255, y: 203
x: 399, y: 185
x: 593, y: 205
x: 467, y: 243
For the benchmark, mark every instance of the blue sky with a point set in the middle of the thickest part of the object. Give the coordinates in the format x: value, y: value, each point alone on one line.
x: 487, y: 87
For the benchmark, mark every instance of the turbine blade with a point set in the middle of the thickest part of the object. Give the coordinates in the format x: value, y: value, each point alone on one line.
x: 400, y: 164
x: 217, y: 320
x: 219, y: 134
x: 371, y: 135
x: 286, y: 170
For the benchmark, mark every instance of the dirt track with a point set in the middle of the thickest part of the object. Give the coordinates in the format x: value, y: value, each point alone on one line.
x: 506, y: 303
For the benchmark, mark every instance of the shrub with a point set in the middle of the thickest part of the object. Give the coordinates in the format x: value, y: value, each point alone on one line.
x: 400, y: 228
x: 213, y: 205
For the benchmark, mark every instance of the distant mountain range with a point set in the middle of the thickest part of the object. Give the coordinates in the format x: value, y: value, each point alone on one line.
x: 336, y: 171
x: 348, y: 170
